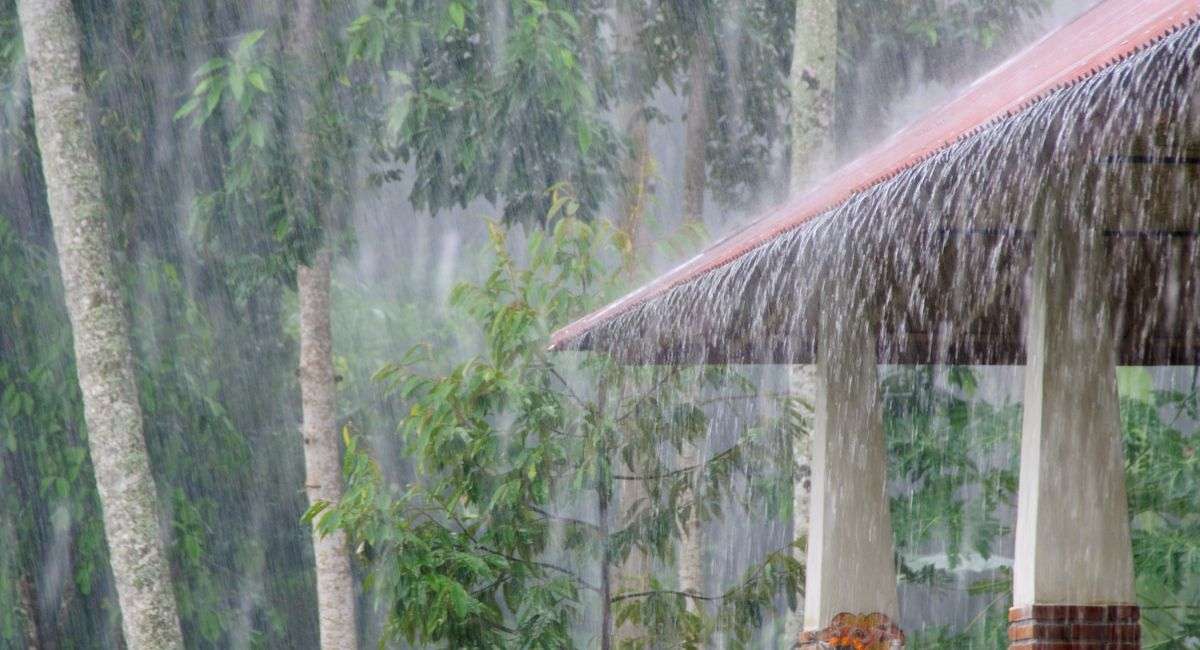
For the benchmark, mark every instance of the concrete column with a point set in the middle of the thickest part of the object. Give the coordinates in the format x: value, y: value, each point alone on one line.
x: 850, y: 568
x: 1073, y: 570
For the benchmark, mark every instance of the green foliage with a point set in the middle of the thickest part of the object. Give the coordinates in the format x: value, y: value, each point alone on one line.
x: 14, y: 90
x: 1163, y: 478
x: 468, y: 111
x: 942, y: 443
x: 521, y: 455
x: 198, y: 455
x: 48, y: 489
x: 256, y: 211
x: 956, y: 458
x: 240, y: 77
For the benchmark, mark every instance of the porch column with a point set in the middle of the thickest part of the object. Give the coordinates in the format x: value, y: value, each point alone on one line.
x: 1073, y: 570
x: 850, y: 585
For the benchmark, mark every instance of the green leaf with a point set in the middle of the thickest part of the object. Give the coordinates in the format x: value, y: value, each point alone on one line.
x: 211, y: 101
x: 584, y: 135
x: 188, y: 108
x: 457, y: 14
x: 237, y: 84
x: 257, y: 134
x: 250, y: 39
x: 255, y: 77
x: 210, y: 66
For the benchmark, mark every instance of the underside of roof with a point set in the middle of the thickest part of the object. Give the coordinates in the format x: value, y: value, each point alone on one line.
x: 1095, y: 121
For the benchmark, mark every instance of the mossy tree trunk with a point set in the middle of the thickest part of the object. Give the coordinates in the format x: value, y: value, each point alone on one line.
x: 104, y: 358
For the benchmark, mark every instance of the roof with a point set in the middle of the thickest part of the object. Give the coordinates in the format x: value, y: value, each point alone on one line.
x: 1098, y: 39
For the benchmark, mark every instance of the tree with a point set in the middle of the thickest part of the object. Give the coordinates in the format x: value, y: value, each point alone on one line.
x: 336, y: 597
x: 695, y: 163
x: 631, y: 83
x: 813, y: 85
x: 465, y: 111
x: 512, y: 533
x: 104, y: 357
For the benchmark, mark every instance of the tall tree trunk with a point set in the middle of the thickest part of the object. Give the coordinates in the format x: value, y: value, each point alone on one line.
x: 691, y: 553
x: 637, y: 568
x: 638, y: 166
x: 696, y: 129
x: 606, y: 567
x: 336, y: 599
x: 322, y: 454
x: 638, y: 169
x: 813, y: 86
x: 103, y: 353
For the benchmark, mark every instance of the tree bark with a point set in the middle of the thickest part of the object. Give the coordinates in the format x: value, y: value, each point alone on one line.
x: 103, y: 352
x: 690, y: 563
x: 322, y: 454
x: 813, y: 88
x: 336, y: 598
x: 637, y: 568
x: 638, y: 165
x: 638, y: 168
x: 606, y: 618
x: 696, y: 129
x: 691, y: 553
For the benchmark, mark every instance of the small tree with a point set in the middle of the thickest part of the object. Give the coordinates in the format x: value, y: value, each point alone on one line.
x: 513, y: 534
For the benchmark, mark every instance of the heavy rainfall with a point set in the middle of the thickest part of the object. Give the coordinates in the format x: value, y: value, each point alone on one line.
x: 609, y: 324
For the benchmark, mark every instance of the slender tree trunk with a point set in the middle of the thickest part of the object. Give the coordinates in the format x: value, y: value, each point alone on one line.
x: 103, y: 353
x: 638, y: 169
x: 606, y: 619
x: 638, y: 166
x: 637, y: 568
x: 690, y: 563
x: 322, y: 454
x: 336, y: 598
x: 631, y: 573
x: 691, y: 554
x: 813, y: 86
x: 696, y: 129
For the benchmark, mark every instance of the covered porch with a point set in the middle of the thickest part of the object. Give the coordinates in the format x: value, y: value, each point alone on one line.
x: 1046, y: 217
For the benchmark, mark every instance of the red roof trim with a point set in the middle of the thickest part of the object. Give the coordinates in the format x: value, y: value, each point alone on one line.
x: 1098, y: 39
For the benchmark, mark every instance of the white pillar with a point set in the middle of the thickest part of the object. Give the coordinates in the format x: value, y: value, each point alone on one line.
x: 850, y: 567
x: 1072, y: 543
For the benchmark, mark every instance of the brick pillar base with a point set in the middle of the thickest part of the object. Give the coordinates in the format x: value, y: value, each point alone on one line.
x: 1074, y: 627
